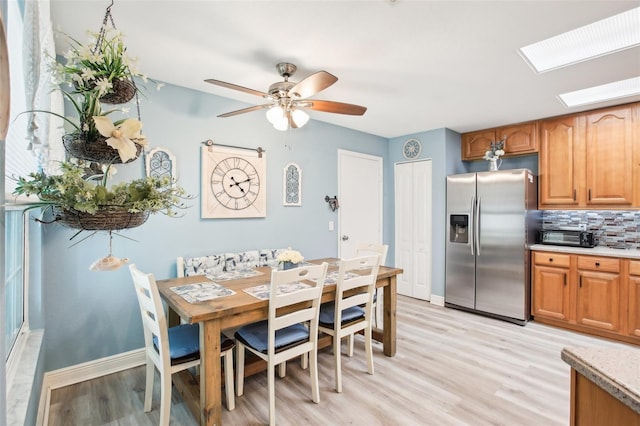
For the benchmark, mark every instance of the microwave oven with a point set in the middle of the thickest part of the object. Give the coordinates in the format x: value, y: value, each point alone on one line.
x: 563, y: 237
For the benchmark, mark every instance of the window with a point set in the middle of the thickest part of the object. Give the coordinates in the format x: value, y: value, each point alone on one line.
x: 18, y: 161
x: 15, y: 244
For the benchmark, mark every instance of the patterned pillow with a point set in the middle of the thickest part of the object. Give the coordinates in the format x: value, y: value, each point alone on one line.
x: 218, y: 264
x: 205, y: 265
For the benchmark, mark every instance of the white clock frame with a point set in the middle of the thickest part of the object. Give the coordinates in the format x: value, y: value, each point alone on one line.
x: 211, y: 207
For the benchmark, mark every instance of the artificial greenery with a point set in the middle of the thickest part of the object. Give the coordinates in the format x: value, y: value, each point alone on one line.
x: 72, y: 191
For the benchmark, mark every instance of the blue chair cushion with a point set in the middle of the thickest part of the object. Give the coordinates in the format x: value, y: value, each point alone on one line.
x: 184, y: 340
x: 256, y: 336
x: 327, y: 312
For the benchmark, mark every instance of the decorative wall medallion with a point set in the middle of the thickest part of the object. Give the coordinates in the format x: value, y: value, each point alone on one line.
x: 160, y: 162
x: 233, y: 183
x: 292, y: 185
x: 411, y: 149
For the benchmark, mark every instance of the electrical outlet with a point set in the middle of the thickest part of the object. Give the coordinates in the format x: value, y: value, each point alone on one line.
x: 330, y: 225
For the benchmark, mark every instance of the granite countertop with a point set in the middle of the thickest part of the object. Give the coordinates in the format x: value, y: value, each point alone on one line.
x: 595, y: 251
x: 615, y: 370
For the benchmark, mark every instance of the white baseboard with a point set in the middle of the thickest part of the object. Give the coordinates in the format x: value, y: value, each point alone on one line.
x: 83, y: 372
x: 437, y: 300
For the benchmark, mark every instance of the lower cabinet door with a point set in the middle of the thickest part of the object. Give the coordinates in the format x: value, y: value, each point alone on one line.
x: 598, y: 303
x: 550, y: 293
x: 634, y: 306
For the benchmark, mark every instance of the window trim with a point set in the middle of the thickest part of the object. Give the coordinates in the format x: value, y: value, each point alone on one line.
x: 14, y: 353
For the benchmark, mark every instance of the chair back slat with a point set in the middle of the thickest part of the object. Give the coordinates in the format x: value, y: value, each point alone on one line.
x: 152, y: 312
x: 357, y: 290
x: 313, y: 276
x: 363, y: 249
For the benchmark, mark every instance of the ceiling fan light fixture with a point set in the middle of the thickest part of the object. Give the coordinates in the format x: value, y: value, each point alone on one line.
x: 299, y: 117
x: 275, y: 114
x: 282, y: 124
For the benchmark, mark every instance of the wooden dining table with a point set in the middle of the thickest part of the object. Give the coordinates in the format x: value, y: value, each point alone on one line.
x: 204, y: 396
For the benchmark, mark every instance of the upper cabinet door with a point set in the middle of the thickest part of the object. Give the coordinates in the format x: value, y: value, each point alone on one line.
x: 609, y: 156
x: 560, y: 162
x: 519, y: 138
x: 476, y: 144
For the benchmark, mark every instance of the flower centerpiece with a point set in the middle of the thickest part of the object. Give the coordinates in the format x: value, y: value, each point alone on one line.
x: 289, y: 258
x: 82, y: 204
x: 496, y: 150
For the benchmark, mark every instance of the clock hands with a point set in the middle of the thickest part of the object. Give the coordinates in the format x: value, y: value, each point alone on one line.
x: 238, y: 183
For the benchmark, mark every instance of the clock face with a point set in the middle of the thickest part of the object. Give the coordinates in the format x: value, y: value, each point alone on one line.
x: 235, y: 183
x: 411, y: 148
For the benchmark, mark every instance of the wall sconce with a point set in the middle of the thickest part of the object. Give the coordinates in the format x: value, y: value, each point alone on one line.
x: 333, y: 202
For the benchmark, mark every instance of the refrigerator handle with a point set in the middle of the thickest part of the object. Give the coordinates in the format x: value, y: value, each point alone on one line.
x: 476, y: 227
x: 472, y: 225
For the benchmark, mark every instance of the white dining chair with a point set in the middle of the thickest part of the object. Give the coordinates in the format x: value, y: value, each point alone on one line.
x: 364, y: 249
x: 285, y: 335
x: 346, y: 316
x: 171, y: 349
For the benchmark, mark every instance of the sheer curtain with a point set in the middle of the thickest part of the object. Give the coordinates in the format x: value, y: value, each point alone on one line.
x: 44, y: 131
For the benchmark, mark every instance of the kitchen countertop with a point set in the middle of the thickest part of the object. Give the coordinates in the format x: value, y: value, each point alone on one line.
x: 595, y: 251
x: 615, y: 370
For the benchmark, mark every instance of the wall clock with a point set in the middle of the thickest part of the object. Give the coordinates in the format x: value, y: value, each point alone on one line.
x: 411, y: 148
x: 233, y: 183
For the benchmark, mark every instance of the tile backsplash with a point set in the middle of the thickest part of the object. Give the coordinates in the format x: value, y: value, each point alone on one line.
x: 615, y: 229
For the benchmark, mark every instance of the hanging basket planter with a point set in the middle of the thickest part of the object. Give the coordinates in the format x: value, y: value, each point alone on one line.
x: 122, y: 92
x: 96, y: 150
x: 107, y: 219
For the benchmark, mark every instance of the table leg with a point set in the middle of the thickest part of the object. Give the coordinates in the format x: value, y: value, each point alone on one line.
x: 389, y: 318
x: 210, y: 374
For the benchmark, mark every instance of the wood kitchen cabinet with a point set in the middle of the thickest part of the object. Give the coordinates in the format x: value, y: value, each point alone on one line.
x: 551, y: 277
x: 561, y: 162
x: 588, y: 160
x: 598, y: 295
x: 519, y: 139
x: 591, y: 294
x: 634, y: 299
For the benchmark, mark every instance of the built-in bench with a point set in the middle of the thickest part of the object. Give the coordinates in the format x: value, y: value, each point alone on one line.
x: 227, y: 266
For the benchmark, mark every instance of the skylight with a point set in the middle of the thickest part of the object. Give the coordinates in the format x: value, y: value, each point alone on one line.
x: 600, y: 38
x: 605, y: 92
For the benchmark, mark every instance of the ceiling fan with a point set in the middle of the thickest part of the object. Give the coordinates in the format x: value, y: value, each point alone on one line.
x: 288, y: 99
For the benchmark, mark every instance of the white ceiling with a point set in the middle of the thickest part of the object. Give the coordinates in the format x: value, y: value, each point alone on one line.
x: 416, y: 65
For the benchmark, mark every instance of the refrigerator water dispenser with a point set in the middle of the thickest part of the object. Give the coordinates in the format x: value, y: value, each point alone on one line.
x: 459, y: 224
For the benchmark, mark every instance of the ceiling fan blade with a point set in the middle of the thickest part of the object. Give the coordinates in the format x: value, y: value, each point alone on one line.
x: 313, y: 84
x: 242, y: 111
x: 236, y: 87
x: 336, y: 107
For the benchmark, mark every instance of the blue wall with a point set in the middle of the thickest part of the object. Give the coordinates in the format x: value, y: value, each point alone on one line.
x: 90, y: 315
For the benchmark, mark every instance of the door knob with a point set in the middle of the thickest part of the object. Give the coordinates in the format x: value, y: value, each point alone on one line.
x: 345, y: 237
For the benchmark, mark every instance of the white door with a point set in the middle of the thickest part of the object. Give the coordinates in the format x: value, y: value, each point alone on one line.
x: 360, y: 200
x: 413, y: 199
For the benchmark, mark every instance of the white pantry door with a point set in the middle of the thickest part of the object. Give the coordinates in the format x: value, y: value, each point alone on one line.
x: 360, y: 200
x: 413, y: 199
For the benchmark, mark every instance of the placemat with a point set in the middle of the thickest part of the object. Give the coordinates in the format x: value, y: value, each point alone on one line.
x: 235, y: 274
x: 262, y: 291
x: 332, y: 277
x: 200, y: 292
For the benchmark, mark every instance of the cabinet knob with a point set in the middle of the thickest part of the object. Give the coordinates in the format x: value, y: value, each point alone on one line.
x: 597, y: 263
x: 551, y: 259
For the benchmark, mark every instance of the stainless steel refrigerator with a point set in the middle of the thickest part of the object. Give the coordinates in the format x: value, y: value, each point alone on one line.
x: 492, y: 219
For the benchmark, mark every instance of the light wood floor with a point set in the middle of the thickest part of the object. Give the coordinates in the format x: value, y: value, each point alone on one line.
x: 451, y: 368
